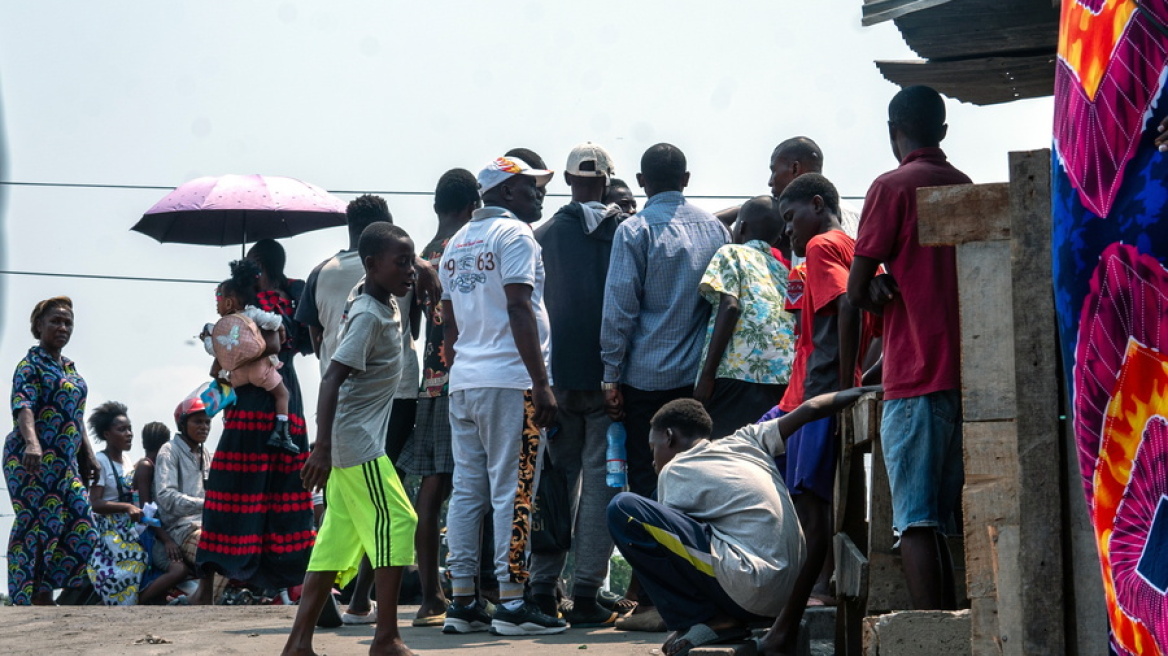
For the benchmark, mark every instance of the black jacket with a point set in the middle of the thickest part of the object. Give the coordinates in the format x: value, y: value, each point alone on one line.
x: 576, y: 266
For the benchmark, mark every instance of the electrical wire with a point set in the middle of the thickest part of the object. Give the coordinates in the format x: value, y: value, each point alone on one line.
x: 386, y: 192
x: 94, y: 276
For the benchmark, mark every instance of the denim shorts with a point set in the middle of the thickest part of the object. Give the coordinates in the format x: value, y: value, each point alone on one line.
x: 921, y: 437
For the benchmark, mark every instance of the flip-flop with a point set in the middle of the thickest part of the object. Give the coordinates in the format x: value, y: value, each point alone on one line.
x: 701, y: 634
x: 352, y: 619
x: 432, y: 620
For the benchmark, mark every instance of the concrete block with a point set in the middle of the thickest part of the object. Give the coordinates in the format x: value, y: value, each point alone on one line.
x: 918, y: 633
x: 730, y: 649
x: 818, y: 623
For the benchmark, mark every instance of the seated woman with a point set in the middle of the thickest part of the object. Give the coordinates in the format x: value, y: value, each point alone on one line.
x: 167, y: 567
x: 118, y: 560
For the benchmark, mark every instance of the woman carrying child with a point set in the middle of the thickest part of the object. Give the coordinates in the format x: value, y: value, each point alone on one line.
x: 257, y: 521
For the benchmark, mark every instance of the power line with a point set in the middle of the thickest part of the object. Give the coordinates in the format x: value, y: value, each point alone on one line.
x: 386, y: 192
x: 94, y: 276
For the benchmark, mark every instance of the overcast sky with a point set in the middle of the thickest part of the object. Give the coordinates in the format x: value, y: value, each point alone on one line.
x: 366, y: 96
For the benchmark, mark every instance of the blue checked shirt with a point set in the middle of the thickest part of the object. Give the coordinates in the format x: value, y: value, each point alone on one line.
x: 654, y: 318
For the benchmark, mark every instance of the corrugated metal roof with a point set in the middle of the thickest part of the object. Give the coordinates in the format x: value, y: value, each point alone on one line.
x: 978, y: 51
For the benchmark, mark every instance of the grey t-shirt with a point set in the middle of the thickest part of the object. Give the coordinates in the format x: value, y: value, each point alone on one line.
x: 371, y: 344
x: 733, y: 486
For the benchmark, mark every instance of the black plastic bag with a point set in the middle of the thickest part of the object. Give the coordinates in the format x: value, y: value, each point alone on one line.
x: 551, y: 516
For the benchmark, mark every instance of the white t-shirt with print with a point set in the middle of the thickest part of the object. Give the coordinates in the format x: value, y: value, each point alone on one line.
x: 111, y: 471
x: 491, y: 251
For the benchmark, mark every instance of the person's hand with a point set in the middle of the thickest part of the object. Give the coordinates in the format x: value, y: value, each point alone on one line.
x: 545, y: 405
x: 882, y: 289
x: 614, y: 404
x: 316, y: 469
x: 704, y: 390
x: 90, y: 470
x: 173, y: 551
x: 1162, y: 140
x: 32, y: 458
x: 427, y: 286
x: 134, y: 512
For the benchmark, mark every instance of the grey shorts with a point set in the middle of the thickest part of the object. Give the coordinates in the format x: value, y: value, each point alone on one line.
x: 428, y: 452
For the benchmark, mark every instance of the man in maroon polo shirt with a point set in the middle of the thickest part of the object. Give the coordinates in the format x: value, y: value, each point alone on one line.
x: 921, y: 429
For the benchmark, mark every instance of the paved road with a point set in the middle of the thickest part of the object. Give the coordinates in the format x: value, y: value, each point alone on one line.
x: 221, y: 630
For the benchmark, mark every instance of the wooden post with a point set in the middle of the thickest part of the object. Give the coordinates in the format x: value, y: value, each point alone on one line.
x: 1040, y: 562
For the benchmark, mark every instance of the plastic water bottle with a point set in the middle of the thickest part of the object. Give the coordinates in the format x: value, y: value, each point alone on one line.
x: 615, y: 456
x: 150, y: 521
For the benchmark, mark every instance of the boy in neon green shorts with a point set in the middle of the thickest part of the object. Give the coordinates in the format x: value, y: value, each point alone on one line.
x: 368, y: 511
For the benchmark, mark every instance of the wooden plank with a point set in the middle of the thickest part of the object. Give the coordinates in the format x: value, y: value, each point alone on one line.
x: 1006, y: 550
x: 987, y: 334
x: 981, y: 28
x: 978, y: 80
x: 989, y: 449
x: 988, y: 497
x: 988, y: 502
x: 851, y: 568
x: 957, y: 214
x: 1040, y: 564
x: 878, y: 11
x: 880, y: 537
x: 865, y: 416
x: 851, y: 492
x: 983, y: 617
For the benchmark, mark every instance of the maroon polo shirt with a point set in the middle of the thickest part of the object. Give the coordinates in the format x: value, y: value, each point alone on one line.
x: 921, y: 325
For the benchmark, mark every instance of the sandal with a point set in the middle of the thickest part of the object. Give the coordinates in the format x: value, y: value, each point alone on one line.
x: 701, y: 634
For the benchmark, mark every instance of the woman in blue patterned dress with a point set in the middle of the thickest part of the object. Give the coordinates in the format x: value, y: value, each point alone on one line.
x: 48, y: 463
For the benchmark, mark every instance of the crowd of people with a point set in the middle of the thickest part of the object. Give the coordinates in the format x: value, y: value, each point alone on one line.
x: 725, y: 344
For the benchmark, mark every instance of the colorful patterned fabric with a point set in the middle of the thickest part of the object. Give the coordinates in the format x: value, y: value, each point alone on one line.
x: 1110, y: 201
x: 763, y: 345
x: 52, y: 533
x: 118, y: 560
x: 257, y: 518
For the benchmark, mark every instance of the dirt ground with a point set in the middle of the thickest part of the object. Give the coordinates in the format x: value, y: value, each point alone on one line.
x: 262, y: 630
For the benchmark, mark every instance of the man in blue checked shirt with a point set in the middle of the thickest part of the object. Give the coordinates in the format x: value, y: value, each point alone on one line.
x: 654, y: 319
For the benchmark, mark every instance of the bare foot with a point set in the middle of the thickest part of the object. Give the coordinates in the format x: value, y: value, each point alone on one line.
x: 391, y: 647
x: 771, y: 645
x: 290, y: 651
x: 432, y: 608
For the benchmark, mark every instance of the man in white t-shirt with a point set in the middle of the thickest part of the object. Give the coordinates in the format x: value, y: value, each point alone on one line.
x: 498, y: 342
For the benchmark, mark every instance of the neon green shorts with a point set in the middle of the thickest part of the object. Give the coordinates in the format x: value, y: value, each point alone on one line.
x: 368, y: 514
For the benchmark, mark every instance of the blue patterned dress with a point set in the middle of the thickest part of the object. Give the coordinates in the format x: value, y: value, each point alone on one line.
x: 53, y: 534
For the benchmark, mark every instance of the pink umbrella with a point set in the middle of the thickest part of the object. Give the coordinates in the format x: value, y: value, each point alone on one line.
x: 237, y: 209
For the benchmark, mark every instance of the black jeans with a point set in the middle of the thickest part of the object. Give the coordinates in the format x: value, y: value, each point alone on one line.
x: 640, y: 406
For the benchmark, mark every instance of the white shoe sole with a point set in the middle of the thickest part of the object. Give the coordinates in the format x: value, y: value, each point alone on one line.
x: 525, y: 629
x: 455, y: 625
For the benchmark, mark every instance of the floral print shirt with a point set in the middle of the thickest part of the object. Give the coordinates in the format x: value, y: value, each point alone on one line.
x: 762, y: 346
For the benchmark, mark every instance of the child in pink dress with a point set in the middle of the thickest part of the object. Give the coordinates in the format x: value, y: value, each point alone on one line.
x: 237, y: 295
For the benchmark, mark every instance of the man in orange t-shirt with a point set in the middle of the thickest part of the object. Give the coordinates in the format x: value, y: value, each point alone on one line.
x: 829, y: 335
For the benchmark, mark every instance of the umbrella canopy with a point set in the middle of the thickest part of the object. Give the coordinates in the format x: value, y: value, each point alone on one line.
x: 237, y: 209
